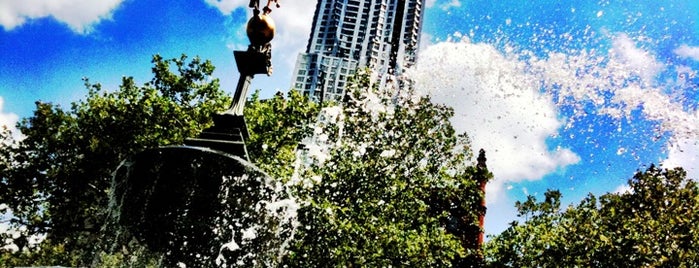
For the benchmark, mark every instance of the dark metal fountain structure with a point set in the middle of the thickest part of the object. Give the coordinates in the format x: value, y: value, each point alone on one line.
x: 180, y: 200
x: 230, y: 131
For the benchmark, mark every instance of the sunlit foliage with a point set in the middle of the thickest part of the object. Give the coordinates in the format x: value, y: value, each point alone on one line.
x: 654, y: 224
x: 56, y: 181
x: 277, y: 125
x: 386, y: 182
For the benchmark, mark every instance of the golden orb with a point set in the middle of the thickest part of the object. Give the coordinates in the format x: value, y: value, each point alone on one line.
x: 260, y: 29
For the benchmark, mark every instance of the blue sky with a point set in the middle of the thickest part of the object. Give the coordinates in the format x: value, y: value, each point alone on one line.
x: 574, y: 96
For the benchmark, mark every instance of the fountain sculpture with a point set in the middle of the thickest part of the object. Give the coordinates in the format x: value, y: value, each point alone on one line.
x: 203, y: 204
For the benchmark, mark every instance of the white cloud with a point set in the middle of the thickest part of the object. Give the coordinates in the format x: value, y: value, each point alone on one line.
x: 616, y: 85
x: 685, y: 154
x: 8, y: 120
x: 448, y: 5
x: 79, y: 15
x: 227, y: 6
x: 498, y: 105
x: 641, y: 62
x: 622, y: 189
x: 293, y: 22
x: 425, y: 40
x: 498, y: 102
x: 686, y: 51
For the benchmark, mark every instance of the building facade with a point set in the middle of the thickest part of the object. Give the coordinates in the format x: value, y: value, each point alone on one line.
x: 382, y: 35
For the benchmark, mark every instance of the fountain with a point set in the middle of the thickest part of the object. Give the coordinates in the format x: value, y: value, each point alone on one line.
x: 203, y: 204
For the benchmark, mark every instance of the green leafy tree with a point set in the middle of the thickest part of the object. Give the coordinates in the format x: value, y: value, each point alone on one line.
x: 385, y: 181
x: 277, y: 125
x: 654, y: 224
x: 56, y: 181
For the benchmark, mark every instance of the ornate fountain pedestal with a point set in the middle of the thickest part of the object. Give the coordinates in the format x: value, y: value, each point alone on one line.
x: 229, y: 132
x: 193, y: 203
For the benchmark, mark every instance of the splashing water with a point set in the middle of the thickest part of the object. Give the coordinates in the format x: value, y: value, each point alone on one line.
x: 195, y: 207
x: 523, y: 99
x: 569, y: 93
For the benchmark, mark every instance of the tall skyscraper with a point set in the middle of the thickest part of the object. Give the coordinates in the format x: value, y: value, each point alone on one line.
x: 346, y: 34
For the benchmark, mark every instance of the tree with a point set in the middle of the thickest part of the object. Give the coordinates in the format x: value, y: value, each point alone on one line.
x: 381, y: 177
x: 198, y: 208
x: 56, y: 181
x: 277, y: 126
x: 654, y: 224
x: 394, y: 186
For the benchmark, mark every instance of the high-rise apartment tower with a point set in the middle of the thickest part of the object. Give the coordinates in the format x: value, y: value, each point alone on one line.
x: 346, y: 34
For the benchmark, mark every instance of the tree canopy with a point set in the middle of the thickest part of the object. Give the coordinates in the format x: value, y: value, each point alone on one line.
x: 277, y: 125
x: 56, y: 181
x: 386, y: 181
x: 653, y: 224
x: 383, y: 178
